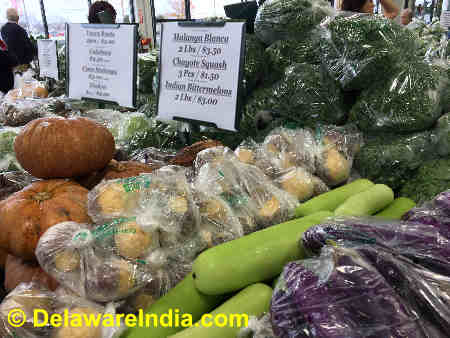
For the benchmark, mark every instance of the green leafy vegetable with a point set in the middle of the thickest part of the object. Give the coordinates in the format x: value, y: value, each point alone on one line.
x: 432, y: 178
x: 393, y: 159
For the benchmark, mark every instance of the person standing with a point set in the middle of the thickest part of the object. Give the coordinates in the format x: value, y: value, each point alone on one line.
x: 17, y: 40
x: 7, y: 63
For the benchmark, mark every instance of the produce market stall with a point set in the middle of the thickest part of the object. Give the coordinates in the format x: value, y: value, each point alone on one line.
x: 326, y: 215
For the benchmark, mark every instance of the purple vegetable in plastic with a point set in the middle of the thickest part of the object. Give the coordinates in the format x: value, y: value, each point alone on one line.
x: 421, y: 243
x: 339, y: 295
x: 422, y: 295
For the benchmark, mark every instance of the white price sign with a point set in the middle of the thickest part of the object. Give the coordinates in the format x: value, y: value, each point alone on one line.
x: 102, y: 62
x: 200, y: 70
x: 48, y: 59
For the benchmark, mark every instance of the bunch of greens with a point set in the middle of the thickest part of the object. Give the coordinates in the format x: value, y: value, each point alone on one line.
x: 148, y: 63
x: 443, y: 134
x: 393, y: 159
x: 284, y: 53
x: 432, y: 178
x: 410, y: 100
x: 8, y: 160
x: 280, y: 19
x: 362, y: 49
x: 255, y: 67
x: 305, y: 95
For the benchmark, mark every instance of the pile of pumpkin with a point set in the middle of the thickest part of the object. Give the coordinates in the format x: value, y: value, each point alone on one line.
x: 67, y: 157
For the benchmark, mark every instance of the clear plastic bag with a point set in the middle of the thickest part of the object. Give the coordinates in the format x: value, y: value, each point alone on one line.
x: 117, y: 198
x: 257, y: 328
x: 306, y: 95
x: 214, y: 156
x: 8, y: 161
x: 218, y: 224
x: 423, y: 244
x: 31, y: 297
x: 393, y: 159
x: 167, y: 205
x: 339, y: 294
x: 248, y: 191
x: 443, y: 134
x: 13, y: 181
x: 410, y: 100
x: 75, y: 255
x: 279, y: 19
x: 26, y: 297
x: 360, y: 49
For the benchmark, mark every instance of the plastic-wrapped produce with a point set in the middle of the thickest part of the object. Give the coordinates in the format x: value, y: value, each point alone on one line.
x: 435, y: 213
x: 392, y: 159
x: 421, y: 243
x: 248, y: 191
x: 167, y: 205
x: 152, y: 155
x: 339, y: 294
x: 29, y: 297
x: 280, y: 19
x: 214, y: 156
x: 218, y: 224
x: 255, y: 64
x: 211, y: 179
x: 442, y: 131
x: 361, y: 49
x: 13, y: 181
x: 284, y: 53
x: 26, y: 297
x: 117, y: 198
x: 75, y: 256
x: 426, y: 292
x: 257, y: 328
x: 8, y: 159
x: 306, y: 95
x: 409, y: 100
x: 430, y: 179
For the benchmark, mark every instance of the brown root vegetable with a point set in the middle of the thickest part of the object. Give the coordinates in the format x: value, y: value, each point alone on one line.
x: 19, y: 271
x: 186, y: 156
x: 117, y: 169
x: 58, y: 147
x: 27, y: 214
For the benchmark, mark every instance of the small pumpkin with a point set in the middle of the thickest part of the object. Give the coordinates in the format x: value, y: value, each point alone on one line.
x: 115, y: 170
x: 186, y: 156
x: 19, y: 271
x: 27, y: 214
x: 59, y: 147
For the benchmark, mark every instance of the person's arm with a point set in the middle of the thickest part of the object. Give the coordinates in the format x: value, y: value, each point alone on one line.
x: 390, y: 9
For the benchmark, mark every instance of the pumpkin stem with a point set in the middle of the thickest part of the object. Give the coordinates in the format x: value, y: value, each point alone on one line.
x: 42, y: 196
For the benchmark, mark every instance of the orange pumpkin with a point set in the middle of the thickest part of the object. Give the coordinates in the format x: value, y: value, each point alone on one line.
x: 59, y: 147
x: 19, y: 271
x: 27, y: 214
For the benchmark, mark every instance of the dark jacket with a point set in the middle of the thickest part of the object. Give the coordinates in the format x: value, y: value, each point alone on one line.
x: 18, y: 42
x: 7, y: 63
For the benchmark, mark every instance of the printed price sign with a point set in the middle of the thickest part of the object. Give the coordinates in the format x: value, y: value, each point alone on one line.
x: 200, y: 72
x: 101, y: 63
x: 48, y: 59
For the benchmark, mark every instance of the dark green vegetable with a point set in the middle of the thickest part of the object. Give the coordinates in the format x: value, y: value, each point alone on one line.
x: 284, y: 53
x: 279, y: 19
x: 411, y: 100
x: 305, y: 95
x: 256, y: 65
x: 363, y: 49
x: 432, y: 178
x: 443, y: 134
x: 393, y: 159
